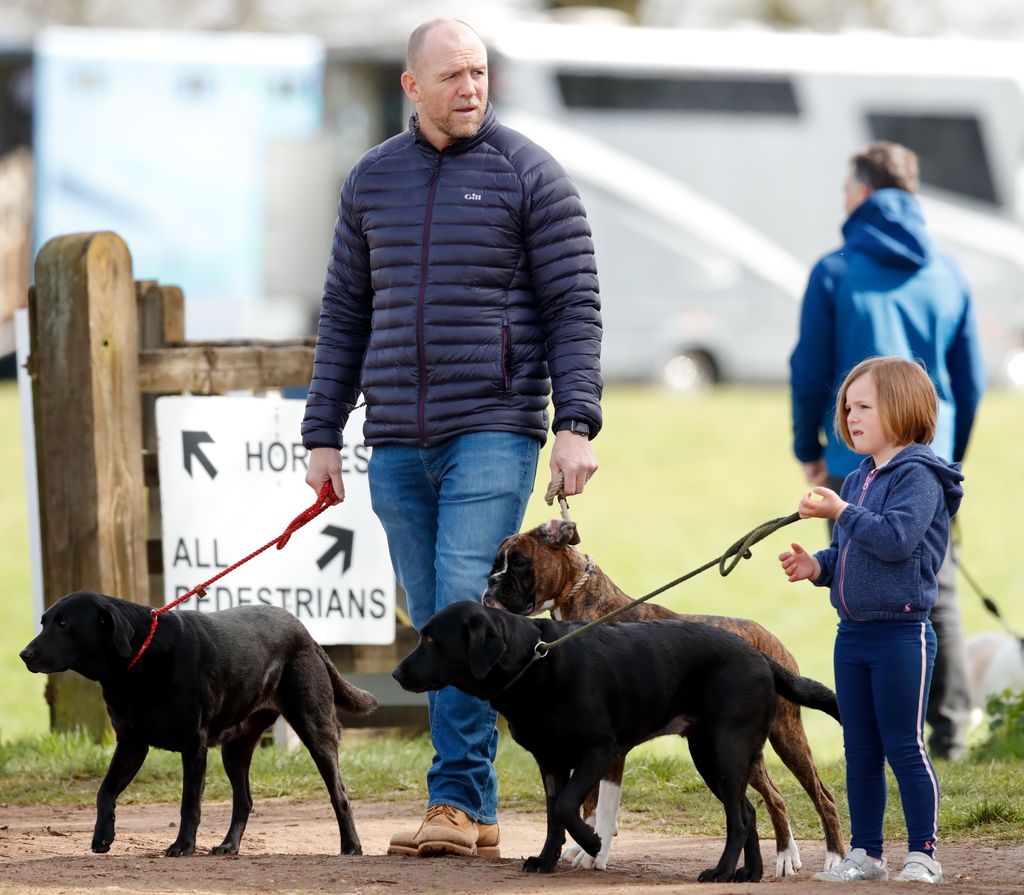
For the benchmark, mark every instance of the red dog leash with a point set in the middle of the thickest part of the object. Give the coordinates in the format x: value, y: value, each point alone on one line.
x: 326, y: 498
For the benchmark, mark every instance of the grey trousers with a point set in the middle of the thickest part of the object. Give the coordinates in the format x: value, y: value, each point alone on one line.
x: 949, y: 699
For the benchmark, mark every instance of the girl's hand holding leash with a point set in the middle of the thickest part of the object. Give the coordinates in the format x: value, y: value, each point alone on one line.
x: 821, y: 503
x: 799, y: 565
x: 818, y: 503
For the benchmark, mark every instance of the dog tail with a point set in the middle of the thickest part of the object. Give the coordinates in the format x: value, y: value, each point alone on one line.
x: 346, y: 695
x: 804, y: 690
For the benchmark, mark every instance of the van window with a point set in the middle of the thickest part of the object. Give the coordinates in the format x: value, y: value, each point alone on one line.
x: 949, y: 148
x: 678, y: 93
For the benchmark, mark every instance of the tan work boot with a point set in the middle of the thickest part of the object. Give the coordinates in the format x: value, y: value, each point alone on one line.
x: 487, y: 837
x: 405, y: 843
x: 447, y: 830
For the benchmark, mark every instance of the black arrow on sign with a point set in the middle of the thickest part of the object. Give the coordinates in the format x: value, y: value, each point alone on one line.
x: 190, y: 442
x: 343, y: 540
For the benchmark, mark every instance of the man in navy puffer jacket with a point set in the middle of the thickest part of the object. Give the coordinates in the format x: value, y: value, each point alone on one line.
x: 461, y: 292
x: 890, y: 291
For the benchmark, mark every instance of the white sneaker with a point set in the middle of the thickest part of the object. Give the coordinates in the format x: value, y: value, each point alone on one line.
x: 919, y: 868
x: 856, y: 866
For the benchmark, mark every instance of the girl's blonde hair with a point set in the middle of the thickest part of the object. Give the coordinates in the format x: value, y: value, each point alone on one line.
x: 906, y: 400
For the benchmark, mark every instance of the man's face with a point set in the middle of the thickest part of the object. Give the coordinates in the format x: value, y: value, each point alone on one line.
x: 449, y: 85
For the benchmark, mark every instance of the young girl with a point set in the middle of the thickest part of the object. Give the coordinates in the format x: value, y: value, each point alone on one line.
x: 892, y: 527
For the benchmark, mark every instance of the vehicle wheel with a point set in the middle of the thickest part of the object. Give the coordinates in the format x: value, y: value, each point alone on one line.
x: 689, y: 371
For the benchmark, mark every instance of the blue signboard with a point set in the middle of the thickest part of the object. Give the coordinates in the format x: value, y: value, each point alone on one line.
x: 163, y: 137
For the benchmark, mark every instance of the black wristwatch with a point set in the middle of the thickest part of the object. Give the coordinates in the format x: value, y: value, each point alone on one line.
x: 577, y: 426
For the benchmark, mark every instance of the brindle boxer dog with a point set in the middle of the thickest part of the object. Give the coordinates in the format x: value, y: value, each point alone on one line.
x: 540, y: 570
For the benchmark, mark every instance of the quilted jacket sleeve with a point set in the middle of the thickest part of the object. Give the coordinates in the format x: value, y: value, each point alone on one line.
x: 344, y: 328
x: 560, y: 255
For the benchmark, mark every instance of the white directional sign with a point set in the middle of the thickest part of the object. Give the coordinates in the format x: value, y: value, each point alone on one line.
x: 232, y: 477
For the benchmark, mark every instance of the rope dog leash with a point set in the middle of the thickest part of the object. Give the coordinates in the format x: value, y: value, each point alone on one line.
x: 988, y: 602
x: 726, y: 563
x: 326, y: 498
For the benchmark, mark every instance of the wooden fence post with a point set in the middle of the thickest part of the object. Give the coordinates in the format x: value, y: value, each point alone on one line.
x: 84, y: 364
x: 161, y: 316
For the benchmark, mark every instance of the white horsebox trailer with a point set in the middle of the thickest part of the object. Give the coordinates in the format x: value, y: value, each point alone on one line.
x: 711, y: 164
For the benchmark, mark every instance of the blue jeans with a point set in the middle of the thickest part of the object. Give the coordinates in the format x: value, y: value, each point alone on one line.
x: 883, y: 671
x: 445, y: 509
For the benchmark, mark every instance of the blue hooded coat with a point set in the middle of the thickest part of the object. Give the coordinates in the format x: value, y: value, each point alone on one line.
x: 891, y: 540
x: 887, y: 291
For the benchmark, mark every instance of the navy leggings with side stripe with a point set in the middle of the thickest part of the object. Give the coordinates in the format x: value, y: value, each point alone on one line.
x: 883, y: 670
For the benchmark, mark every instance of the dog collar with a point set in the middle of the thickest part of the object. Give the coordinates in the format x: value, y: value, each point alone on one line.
x: 582, y: 580
x: 540, y: 650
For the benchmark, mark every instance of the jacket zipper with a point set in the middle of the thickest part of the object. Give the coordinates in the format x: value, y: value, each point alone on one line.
x: 421, y: 355
x: 506, y: 356
x: 846, y: 549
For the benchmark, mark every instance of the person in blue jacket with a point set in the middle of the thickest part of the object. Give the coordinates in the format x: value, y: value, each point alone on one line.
x: 461, y: 296
x: 889, y: 541
x: 890, y: 291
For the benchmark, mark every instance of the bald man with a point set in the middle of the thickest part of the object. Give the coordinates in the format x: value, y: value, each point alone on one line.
x: 461, y: 296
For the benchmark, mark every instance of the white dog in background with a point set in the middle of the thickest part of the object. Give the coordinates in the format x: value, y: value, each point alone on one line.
x: 996, y: 664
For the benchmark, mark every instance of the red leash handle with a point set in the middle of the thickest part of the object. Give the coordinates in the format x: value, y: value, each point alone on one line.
x: 325, y: 499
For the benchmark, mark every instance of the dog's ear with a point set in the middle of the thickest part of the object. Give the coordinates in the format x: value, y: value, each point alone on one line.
x: 562, y: 533
x: 486, y: 646
x: 541, y: 532
x: 114, y: 623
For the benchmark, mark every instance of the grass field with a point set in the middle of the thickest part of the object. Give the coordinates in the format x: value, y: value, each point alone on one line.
x: 681, y: 479
x: 979, y: 800
x: 22, y: 709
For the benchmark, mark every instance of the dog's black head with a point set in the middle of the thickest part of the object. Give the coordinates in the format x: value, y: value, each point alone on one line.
x: 85, y: 632
x: 467, y: 646
x: 523, y: 561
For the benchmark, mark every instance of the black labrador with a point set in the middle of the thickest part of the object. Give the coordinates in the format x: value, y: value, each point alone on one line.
x: 205, y: 680
x: 595, y: 697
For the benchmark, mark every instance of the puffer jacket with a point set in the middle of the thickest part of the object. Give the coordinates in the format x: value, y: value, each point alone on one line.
x: 887, y: 291
x: 889, y: 542
x: 461, y: 291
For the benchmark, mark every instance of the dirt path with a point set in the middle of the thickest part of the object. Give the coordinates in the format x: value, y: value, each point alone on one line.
x: 290, y: 847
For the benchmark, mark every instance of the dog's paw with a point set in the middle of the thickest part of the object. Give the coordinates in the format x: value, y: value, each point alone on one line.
x: 572, y: 853
x: 103, y: 833
x: 225, y: 848
x: 832, y: 859
x: 712, y: 875
x: 589, y: 862
x: 537, y: 865
x: 747, y: 875
x: 352, y: 848
x: 180, y: 850
x: 584, y: 861
x: 787, y: 861
x: 589, y: 841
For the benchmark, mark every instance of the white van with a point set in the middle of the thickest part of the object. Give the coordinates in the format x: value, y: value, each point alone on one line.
x: 711, y: 164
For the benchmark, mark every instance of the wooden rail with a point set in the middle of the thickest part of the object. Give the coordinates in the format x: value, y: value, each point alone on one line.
x: 212, y: 368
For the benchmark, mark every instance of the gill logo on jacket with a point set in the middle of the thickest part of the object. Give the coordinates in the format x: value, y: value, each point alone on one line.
x: 473, y: 197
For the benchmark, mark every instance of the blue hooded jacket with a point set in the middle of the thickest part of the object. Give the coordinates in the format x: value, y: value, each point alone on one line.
x: 887, y: 291
x: 891, y: 540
